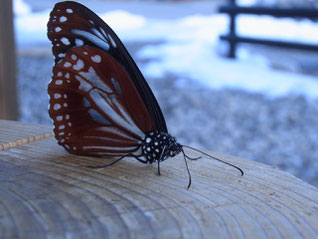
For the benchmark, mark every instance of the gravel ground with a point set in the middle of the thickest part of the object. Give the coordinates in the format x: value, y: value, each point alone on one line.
x: 281, y: 132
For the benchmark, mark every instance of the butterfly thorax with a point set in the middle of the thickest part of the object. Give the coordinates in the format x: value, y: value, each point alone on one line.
x: 158, y: 146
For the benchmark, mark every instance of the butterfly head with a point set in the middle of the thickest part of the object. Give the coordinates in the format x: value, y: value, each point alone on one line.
x: 158, y: 146
x: 174, y: 147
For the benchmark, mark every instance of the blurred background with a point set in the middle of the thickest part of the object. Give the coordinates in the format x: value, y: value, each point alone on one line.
x: 262, y: 105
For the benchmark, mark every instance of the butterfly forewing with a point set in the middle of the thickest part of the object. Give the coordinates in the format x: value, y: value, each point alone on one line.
x: 73, y: 25
x: 95, y: 107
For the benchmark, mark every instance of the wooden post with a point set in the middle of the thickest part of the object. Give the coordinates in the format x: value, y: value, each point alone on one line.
x: 232, y: 51
x: 8, y: 100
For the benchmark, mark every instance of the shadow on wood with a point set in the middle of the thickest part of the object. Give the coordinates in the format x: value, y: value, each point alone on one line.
x: 46, y: 192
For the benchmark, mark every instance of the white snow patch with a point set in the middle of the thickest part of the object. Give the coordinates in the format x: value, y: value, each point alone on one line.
x: 21, y: 8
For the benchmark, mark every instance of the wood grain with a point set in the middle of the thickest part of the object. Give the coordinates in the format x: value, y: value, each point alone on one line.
x: 48, y: 193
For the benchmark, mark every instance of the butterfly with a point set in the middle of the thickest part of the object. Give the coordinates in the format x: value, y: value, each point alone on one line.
x: 100, y: 103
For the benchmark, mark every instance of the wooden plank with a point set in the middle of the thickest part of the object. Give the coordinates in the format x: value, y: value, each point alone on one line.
x: 47, y: 193
x: 8, y: 101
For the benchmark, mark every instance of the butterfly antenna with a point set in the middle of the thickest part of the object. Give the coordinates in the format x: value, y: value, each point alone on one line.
x: 189, y: 147
x: 186, y: 163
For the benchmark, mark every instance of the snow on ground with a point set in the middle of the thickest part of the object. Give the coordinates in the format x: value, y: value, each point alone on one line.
x: 191, y: 48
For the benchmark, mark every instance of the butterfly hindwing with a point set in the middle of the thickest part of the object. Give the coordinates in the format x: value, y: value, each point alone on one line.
x: 95, y: 106
x: 73, y: 25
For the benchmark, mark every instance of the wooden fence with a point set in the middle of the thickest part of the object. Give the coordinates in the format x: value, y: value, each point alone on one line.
x: 232, y: 9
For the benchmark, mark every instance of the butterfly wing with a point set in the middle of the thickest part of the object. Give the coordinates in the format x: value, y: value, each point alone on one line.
x: 95, y: 106
x: 73, y: 25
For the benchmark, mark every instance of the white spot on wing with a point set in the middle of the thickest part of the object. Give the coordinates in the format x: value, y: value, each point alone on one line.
x: 67, y: 64
x: 65, y: 41
x: 74, y: 57
x: 58, y: 82
x: 79, y: 65
x: 58, y: 29
x: 63, y: 19
x: 96, y: 58
x: 57, y: 106
x: 57, y: 96
x: 68, y: 10
x: 79, y: 42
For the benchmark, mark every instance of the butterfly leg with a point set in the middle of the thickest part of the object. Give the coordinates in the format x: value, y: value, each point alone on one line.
x: 161, y: 158
x: 107, y: 165
x: 159, y: 167
x: 140, y: 160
